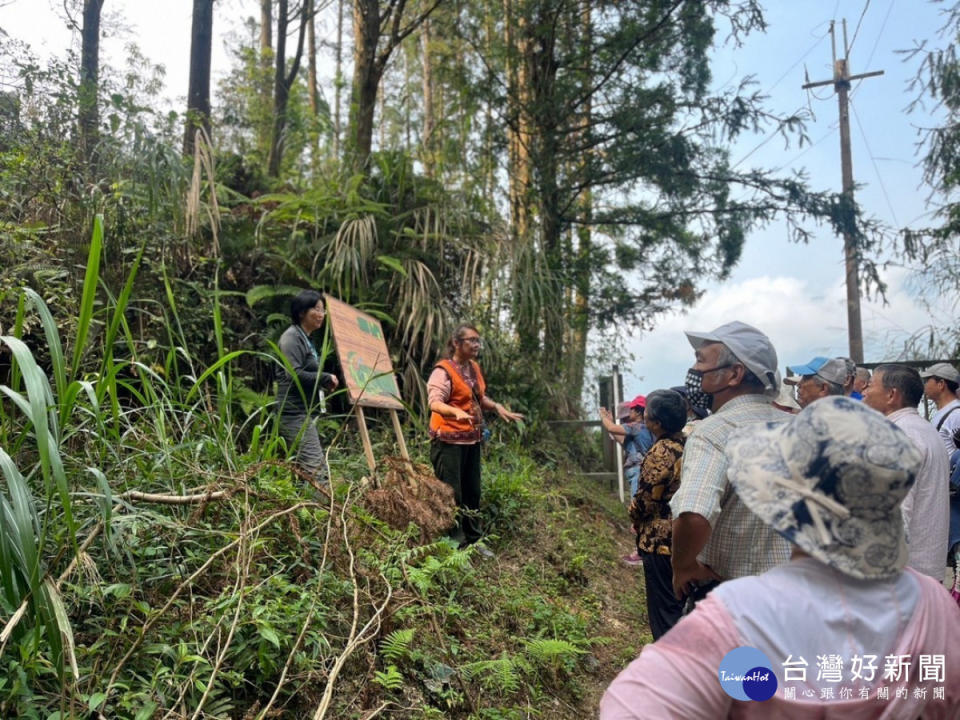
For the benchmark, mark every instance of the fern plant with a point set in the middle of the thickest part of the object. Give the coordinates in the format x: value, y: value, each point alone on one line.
x: 396, y: 645
x: 434, y: 571
x: 390, y: 679
x: 553, y: 655
x: 503, y: 674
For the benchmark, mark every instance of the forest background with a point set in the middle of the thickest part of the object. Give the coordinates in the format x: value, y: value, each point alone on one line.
x: 508, y: 162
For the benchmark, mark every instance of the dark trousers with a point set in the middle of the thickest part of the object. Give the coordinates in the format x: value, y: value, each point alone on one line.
x: 459, y: 467
x: 698, y: 593
x: 663, y: 608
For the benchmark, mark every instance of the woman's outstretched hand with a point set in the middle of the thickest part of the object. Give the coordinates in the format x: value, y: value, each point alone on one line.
x: 507, y: 414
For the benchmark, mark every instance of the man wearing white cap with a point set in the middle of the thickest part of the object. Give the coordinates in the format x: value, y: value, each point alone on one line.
x: 940, y: 384
x: 715, y: 537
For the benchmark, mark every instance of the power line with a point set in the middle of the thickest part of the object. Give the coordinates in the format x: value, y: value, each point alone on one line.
x: 876, y: 42
x: 855, y: 32
x: 925, y: 214
x: 883, y: 25
x: 876, y: 169
x: 770, y: 136
x: 799, y: 60
x: 773, y: 133
x: 809, y: 147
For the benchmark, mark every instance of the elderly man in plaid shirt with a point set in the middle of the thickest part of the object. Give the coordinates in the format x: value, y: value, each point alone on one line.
x: 715, y: 536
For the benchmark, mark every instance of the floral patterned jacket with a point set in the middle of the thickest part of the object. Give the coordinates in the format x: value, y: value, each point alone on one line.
x: 659, y: 480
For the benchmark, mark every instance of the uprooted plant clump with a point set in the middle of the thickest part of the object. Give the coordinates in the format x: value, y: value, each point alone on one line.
x: 410, y: 493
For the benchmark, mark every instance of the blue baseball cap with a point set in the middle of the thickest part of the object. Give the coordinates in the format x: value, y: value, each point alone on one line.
x: 832, y: 369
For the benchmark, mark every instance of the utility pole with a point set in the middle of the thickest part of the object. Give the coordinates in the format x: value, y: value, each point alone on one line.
x: 841, y: 83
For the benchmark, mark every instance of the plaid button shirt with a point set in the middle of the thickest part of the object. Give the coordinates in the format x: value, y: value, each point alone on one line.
x: 740, y: 544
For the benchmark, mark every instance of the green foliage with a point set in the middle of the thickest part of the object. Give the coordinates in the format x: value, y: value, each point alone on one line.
x: 553, y: 654
x: 932, y: 249
x: 391, y: 679
x: 396, y: 645
x: 438, y: 568
x: 503, y: 675
x: 179, y: 622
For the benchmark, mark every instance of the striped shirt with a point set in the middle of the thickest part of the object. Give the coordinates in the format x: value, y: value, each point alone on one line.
x: 740, y: 544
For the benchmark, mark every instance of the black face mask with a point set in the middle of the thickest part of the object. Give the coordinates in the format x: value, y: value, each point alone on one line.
x: 695, y: 394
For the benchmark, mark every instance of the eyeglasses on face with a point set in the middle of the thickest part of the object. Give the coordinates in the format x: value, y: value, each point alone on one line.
x: 471, y: 340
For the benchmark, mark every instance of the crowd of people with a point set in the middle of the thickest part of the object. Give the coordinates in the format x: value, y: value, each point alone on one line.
x: 806, y: 519
x: 809, y: 519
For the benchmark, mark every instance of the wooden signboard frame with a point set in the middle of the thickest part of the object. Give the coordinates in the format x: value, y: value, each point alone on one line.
x: 367, y: 370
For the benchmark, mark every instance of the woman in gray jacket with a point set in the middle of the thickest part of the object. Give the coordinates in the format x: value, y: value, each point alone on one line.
x: 296, y: 399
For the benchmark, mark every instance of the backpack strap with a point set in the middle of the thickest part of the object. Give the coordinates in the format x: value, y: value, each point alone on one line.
x: 944, y: 418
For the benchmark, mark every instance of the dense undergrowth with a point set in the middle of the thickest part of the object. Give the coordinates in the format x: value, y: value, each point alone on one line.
x: 161, y: 560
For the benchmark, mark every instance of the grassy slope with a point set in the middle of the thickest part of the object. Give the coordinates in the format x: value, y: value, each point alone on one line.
x: 542, y: 628
x: 568, y: 554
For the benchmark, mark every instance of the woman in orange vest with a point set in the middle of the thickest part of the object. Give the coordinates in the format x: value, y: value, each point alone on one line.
x: 457, y: 395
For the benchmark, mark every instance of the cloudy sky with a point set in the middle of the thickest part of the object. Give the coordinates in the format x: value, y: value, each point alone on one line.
x: 794, y: 293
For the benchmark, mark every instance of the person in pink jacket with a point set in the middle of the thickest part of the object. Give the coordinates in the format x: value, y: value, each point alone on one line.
x: 844, y: 629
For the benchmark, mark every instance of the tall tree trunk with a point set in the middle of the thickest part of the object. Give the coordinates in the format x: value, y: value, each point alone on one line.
x: 370, y: 58
x: 366, y: 78
x: 264, y: 123
x: 338, y: 81
x: 312, y: 84
x: 490, y: 157
x: 312, y: 59
x: 198, y: 94
x: 266, y: 26
x: 283, y: 81
x: 88, y: 112
x: 527, y: 300
x: 541, y: 64
x: 580, y: 310
x: 428, y: 156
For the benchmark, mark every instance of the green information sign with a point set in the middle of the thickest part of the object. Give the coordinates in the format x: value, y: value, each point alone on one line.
x: 358, y: 339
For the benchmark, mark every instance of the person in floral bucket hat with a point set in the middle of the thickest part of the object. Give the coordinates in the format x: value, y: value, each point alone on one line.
x: 845, y: 628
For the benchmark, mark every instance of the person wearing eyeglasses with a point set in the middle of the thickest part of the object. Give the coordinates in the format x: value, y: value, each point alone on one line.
x: 298, y: 394
x: 457, y: 395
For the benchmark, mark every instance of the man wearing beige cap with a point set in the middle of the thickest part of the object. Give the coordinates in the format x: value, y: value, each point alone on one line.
x: 940, y: 384
x: 818, y: 378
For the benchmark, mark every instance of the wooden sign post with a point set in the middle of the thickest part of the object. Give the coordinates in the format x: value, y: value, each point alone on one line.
x: 367, y: 370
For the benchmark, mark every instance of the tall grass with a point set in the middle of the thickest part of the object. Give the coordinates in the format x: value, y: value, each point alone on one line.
x: 38, y: 513
x: 127, y: 418
x: 23, y: 535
